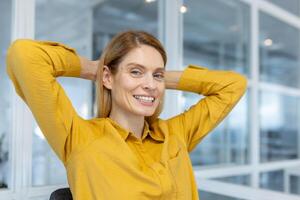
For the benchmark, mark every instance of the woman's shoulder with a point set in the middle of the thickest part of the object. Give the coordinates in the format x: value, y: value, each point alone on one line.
x: 94, y: 122
x: 87, y: 130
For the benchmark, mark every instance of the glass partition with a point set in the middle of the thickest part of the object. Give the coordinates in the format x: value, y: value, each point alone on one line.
x: 292, y: 6
x: 6, y: 122
x: 279, y: 129
x: 227, y: 144
x: 239, y: 180
x: 212, y: 196
x: 113, y: 16
x: 217, y: 36
x: 279, y: 54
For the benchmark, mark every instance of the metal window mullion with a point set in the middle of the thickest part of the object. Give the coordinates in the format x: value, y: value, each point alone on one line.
x: 254, y: 91
x: 15, y: 147
x: 219, y: 171
x: 172, y: 39
x: 161, y: 18
x: 23, y: 19
x: 22, y: 27
x: 280, y: 89
x: 279, y: 13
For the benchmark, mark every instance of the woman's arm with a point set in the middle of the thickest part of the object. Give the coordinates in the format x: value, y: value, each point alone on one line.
x: 33, y: 67
x: 88, y: 68
x: 222, y: 91
x: 172, y: 79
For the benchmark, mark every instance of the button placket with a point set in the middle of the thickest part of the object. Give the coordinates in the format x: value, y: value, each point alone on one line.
x: 166, y: 182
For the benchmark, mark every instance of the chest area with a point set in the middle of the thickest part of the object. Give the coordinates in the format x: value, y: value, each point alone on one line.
x: 157, y: 168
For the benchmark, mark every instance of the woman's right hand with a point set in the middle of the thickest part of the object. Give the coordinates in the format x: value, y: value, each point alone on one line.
x: 88, y: 68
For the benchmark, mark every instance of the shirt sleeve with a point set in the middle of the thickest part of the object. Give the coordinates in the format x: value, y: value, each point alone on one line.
x: 33, y: 66
x: 222, y: 91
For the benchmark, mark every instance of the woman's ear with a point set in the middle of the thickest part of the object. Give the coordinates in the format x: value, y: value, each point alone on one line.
x: 107, y: 78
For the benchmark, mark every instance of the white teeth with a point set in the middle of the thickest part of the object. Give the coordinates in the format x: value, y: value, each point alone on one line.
x: 144, y: 98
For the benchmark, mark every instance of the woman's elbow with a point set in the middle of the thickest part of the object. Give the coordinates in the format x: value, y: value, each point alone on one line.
x: 240, y: 81
x: 243, y: 82
x: 17, y: 53
x: 18, y: 47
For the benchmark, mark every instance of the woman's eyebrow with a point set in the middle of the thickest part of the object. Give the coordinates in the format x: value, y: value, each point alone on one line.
x: 142, y: 66
x: 136, y: 64
x: 161, y: 69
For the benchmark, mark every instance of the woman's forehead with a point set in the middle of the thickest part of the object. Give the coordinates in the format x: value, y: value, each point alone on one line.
x: 144, y: 56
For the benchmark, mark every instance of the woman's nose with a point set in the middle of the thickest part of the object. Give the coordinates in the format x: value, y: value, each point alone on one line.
x: 149, y: 82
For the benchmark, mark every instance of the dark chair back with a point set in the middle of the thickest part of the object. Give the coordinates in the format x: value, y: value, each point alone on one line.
x: 61, y: 194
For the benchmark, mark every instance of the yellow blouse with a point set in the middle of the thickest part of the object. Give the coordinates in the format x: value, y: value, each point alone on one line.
x: 102, y: 159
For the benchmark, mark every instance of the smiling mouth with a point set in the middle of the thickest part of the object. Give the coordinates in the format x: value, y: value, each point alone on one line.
x: 146, y: 99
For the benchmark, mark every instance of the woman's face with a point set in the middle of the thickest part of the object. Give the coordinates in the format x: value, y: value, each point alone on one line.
x: 138, y: 85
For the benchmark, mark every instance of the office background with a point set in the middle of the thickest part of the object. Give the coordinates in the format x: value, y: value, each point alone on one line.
x: 252, y: 154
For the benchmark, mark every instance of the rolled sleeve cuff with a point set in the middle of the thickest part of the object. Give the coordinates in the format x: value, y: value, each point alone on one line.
x: 190, y: 78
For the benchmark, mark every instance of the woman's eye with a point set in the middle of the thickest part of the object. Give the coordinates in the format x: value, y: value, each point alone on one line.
x: 159, y: 76
x: 136, y: 72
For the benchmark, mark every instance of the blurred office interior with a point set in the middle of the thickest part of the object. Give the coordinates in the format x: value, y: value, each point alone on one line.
x: 253, y: 154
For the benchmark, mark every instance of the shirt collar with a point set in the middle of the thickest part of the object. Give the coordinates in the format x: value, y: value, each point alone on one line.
x: 152, y: 134
x: 125, y: 133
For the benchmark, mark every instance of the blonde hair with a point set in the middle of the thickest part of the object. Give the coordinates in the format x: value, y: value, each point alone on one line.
x: 112, y: 56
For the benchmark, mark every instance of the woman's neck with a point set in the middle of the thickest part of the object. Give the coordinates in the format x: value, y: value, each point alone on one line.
x: 132, y: 123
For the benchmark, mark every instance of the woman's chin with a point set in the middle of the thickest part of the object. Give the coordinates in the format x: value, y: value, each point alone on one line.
x: 148, y: 114
x: 145, y: 113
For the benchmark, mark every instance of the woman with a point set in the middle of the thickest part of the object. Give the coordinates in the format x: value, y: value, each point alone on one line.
x: 126, y: 152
